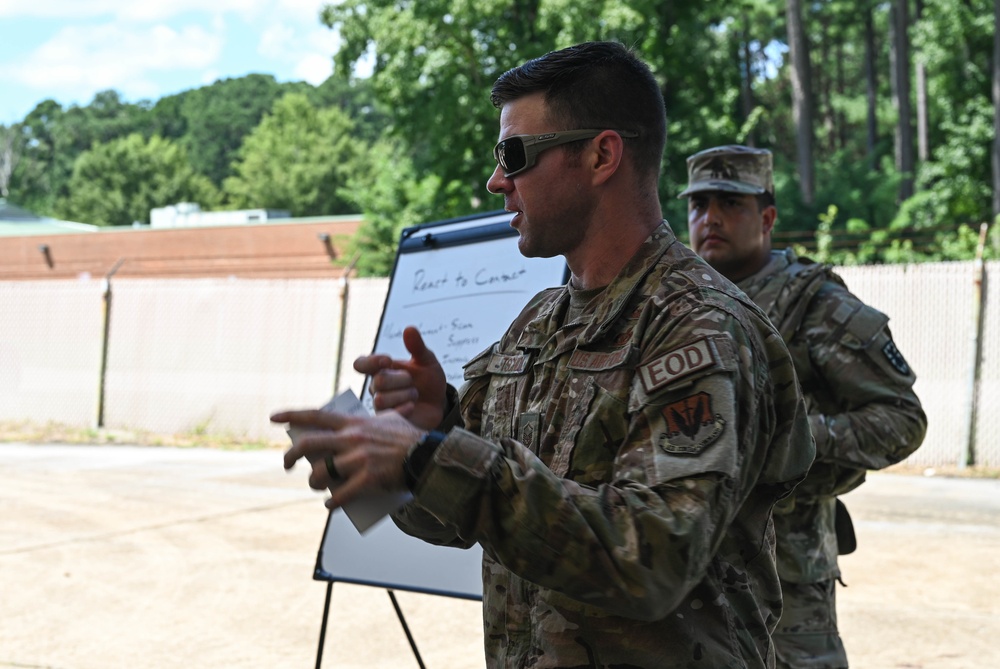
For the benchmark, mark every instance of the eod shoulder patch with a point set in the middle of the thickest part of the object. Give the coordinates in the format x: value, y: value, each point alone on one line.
x: 677, y: 364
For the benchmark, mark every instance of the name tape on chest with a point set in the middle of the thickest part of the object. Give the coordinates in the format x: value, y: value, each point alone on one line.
x: 677, y: 364
x: 503, y: 363
x: 592, y: 360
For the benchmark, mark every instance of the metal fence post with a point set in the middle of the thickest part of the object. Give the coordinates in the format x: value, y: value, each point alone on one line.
x: 967, y: 455
x: 106, y: 301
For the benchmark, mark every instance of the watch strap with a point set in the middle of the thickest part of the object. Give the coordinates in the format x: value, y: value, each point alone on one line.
x: 420, y: 455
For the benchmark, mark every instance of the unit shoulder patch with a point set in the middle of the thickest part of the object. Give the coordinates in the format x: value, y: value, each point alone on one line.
x: 691, y: 425
x: 896, y: 358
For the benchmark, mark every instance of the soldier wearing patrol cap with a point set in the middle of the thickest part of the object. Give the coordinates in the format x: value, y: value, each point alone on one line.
x: 858, y: 388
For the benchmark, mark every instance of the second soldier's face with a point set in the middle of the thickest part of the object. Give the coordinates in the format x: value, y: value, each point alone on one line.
x: 730, y: 231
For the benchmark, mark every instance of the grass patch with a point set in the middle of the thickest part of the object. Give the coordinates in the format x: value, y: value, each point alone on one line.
x: 55, y: 433
x: 200, y: 437
x: 947, y: 471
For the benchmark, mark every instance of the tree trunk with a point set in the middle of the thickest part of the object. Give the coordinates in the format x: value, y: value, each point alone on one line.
x: 10, y: 153
x: 871, y: 88
x: 996, y: 109
x: 900, y: 59
x: 824, y: 87
x: 746, y: 94
x: 802, y: 112
x: 840, y: 118
x: 923, y: 138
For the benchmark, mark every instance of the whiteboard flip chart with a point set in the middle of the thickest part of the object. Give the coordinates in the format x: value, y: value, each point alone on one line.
x: 461, y: 282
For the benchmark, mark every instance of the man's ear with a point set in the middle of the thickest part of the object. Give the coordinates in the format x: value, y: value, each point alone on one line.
x: 605, y: 156
x: 768, y: 218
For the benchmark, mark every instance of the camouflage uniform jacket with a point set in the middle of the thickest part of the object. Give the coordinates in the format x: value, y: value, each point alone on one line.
x: 619, y: 471
x: 859, y: 392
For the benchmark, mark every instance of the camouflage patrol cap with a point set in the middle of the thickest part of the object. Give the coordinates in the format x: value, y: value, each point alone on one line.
x: 734, y: 168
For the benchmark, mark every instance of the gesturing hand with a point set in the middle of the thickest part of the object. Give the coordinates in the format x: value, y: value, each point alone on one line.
x: 416, y: 388
x: 366, y: 452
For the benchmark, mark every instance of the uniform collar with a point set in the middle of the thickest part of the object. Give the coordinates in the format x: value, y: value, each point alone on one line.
x: 778, y: 262
x: 606, y: 307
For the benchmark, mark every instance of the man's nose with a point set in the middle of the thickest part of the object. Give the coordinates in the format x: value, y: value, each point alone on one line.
x: 713, y: 212
x: 498, y: 183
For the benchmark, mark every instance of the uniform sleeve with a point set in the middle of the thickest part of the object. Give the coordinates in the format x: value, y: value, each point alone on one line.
x: 862, y: 408
x: 699, y: 421
x: 414, y: 519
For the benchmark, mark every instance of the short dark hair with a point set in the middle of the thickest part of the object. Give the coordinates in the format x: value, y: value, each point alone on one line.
x: 595, y: 85
x: 765, y: 200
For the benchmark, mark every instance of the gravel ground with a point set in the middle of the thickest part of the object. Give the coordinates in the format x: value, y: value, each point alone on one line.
x: 160, y: 557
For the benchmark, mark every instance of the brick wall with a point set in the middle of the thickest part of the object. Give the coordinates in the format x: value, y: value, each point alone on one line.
x: 285, y: 249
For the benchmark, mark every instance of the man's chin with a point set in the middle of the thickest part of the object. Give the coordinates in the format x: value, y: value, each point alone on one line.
x: 708, y: 253
x: 527, y: 250
x: 531, y: 250
x: 714, y: 257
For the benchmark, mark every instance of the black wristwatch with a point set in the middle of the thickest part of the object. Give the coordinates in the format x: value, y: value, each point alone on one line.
x: 416, y: 460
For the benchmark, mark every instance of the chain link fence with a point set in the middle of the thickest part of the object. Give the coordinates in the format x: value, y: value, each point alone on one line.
x: 217, y: 356
x: 931, y: 315
x: 50, y: 351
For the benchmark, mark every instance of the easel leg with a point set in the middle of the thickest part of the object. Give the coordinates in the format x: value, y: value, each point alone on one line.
x: 409, y: 637
x: 322, y: 629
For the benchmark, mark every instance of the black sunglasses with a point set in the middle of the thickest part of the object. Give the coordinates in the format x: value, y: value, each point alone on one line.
x: 517, y: 153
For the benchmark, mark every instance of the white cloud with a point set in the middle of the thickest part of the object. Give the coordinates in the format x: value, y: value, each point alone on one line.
x: 151, y: 48
x: 158, y: 10
x: 315, y: 69
x: 144, y: 10
x: 308, y: 51
x: 305, y: 11
x: 276, y: 41
x: 209, y: 76
x: 86, y: 60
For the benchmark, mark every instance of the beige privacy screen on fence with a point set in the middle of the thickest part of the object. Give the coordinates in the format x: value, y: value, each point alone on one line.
x: 217, y: 356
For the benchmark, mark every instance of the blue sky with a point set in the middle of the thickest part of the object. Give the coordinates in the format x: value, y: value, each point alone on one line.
x: 68, y: 50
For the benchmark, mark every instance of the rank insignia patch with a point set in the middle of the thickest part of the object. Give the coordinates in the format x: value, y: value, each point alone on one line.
x: 528, y: 430
x: 896, y: 358
x: 691, y: 426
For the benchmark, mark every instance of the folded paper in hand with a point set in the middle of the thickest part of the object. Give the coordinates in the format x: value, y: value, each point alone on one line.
x: 369, y: 507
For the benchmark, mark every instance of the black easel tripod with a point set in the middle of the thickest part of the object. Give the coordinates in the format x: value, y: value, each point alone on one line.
x: 386, y: 557
x: 399, y: 614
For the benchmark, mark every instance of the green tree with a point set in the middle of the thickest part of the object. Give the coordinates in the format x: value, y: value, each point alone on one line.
x: 393, y: 197
x: 54, y: 138
x: 726, y: 77
x: 217, y: 118
x: 436, y: 61
x: 357, y: 99
x: 299, y: 158
x: 118, y: 182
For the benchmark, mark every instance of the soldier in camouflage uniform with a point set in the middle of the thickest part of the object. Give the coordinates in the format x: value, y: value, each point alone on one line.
x: 618, y: 452
x: 858, y: 387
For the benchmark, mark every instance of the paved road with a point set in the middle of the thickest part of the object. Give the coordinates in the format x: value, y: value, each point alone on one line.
x: 161, y: 558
